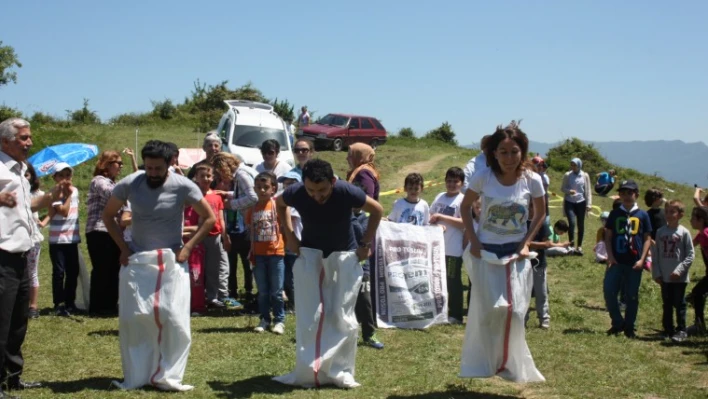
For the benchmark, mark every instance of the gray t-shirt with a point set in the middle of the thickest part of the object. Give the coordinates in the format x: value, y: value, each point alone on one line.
x: 157, y: 213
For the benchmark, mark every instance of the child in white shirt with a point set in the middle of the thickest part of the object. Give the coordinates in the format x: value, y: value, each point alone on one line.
x: 411, y: 209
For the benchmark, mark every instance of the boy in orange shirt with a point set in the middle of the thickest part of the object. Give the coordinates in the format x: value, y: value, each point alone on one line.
x: 267, y: 253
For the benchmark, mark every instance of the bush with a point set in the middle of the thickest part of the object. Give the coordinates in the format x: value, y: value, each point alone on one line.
x: 9, y: 112
x: 443, y: 133
x: 284, y: 109
x: 42, y: 119
x: 407, y: 133
x: 164, y: 110
x: 84, y: 115
x: 559, y: 157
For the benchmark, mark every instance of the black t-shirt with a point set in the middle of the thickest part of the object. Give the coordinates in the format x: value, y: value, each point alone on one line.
x: 658, y: 220
x: 328, y: 226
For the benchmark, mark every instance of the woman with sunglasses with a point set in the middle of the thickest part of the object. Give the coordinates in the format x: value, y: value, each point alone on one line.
x: 304, y: 150
x: 103, y: 251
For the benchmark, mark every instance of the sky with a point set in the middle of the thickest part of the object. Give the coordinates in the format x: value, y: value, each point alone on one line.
x: 598, y: 70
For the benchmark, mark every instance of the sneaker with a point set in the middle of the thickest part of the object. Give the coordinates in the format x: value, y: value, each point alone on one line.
x: 578, y: 251
x: 61, y: 311
x: 33, y: 313
x: 630, y: 333
x: 232, y: 303
x: 278, y: 328
x: 374, y: 342
x: 679, y: 336
x: 696, y: 329
x: 72, y: 309
x: 546, y: 324
x: 614, y: 331
x: 453, y: 320
x: 216, y: 304
x: 262, y: 326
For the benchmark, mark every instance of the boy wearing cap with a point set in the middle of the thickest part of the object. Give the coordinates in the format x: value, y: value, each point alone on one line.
x: 64, y: 239
x: 627, y: 238
x: 288, y: 180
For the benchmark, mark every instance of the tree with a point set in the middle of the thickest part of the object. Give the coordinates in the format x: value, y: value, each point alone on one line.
x: 406, y: 133
x: 84, y: 115
x: 164, y: 109
x: 443, y: 133
x: 8, y: 59
x: 284, y: 109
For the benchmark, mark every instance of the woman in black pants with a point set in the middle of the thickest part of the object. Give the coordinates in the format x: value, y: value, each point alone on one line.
x: 578, y: 201
x: 104, y: 252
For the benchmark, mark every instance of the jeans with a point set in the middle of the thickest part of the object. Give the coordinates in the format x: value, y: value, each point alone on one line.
x: 65, y: 273
x: 270, y: 273
x: 699, y: 300
x: 540, y: 290
x: 455, y: 294
x: 673, y: 297
x: 617, y: 276
x: 240, y: 247
x: 216, y: 268
x: 289, y: 283
x: 575, y: 212
x: 501, y: 250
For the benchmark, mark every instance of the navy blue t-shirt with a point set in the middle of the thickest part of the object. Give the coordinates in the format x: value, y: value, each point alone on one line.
x: 328, y: 226
x: 542, y: 236
x: 628, y: 230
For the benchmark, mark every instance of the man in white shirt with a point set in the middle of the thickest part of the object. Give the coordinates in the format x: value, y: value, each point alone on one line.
x: 16, y: 232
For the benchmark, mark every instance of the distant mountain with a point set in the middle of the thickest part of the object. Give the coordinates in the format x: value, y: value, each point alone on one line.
x: 673, y: 160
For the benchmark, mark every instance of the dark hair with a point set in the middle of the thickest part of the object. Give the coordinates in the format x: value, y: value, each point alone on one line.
x: 652, y: 195
x: 561, y: 225
x: 513, y: 132
x: 317, y: 171
x: 33, y: 180
x: 414, y: 179
x: 270, y: 145
x: 157, y: 149
x: 701, y: 213
x: 202, y: 165
x: 455, y: 173
x: 173, y: 147
x: 267, y: 176
x: 616, y: 203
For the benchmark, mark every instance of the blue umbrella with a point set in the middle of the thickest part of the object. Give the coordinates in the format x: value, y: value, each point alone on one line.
x: 71, y: 153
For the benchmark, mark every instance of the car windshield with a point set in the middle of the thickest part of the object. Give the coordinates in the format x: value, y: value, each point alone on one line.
x: 333, y: 120
x: 254, y: 136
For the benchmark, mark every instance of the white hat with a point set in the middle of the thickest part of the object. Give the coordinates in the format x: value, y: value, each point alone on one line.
x: 59, y: 166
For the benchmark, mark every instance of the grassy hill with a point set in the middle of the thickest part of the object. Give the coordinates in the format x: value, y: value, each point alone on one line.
x: 78, y: 357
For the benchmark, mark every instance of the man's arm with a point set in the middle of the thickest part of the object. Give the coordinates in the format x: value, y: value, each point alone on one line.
x: 291, y: 241
x: 113, y: 206
x: 209, y: 219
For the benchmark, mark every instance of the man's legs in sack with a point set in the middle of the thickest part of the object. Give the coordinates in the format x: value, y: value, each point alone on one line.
x: 365, y: 316
x: 610, y: 288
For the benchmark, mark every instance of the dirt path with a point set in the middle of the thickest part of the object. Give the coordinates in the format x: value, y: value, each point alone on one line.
x: 422, y: 166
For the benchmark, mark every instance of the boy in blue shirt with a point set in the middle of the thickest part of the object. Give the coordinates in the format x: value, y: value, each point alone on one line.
x: 628, y: 238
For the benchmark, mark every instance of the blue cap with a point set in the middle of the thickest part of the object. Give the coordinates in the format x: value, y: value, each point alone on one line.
x: 290, y: 175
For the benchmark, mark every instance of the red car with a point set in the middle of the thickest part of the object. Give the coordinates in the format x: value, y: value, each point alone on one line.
x: 337, y: 131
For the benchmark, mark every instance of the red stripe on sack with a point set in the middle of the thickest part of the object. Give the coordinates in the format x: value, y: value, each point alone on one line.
x: 509, y: 313
x: 318, y: 340
x: 156, y: 310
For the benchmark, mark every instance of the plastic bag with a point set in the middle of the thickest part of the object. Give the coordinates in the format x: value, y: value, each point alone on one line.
x: 153, y: 321
x: 495, y: 342
x: 327, y: 329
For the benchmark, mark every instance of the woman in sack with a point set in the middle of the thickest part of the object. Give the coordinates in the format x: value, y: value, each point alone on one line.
x: 507, y: 188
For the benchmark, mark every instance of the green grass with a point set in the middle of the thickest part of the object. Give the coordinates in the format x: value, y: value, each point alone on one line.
x: 78, y: 357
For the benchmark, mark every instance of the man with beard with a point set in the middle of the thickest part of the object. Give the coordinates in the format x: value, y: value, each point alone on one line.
x: 16, y: 232
x: 157, y: 198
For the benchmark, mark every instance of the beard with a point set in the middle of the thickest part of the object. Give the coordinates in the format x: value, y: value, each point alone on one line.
x: 156, y: 181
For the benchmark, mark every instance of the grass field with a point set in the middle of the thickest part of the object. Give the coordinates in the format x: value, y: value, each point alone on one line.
x: 77, y: 357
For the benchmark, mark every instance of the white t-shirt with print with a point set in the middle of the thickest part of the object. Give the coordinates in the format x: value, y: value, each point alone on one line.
x: 505, y: 209
x: 450, y: 206
x: 413, y: 213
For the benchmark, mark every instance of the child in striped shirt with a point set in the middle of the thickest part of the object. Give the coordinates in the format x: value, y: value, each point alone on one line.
x: 64, y: 239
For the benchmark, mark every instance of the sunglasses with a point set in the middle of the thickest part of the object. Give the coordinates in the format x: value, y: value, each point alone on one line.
x: 271, y: 152
x: 301, y: 150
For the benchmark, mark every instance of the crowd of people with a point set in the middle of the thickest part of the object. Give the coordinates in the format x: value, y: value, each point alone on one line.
x: 224, y: 211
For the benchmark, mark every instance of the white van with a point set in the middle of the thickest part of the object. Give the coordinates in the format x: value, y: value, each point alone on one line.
x: 246, y: 125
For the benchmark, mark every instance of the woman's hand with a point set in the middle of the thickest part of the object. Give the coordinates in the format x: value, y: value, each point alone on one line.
x: 524, y: 251
x: 476, y: 248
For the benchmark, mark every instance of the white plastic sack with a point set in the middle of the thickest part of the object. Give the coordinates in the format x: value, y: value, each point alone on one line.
x: 327, y: 330
x: 495, y: 342
x: 410, y: 283
x: 153, y: 321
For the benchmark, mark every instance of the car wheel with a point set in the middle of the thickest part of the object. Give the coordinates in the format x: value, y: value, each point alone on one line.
x: 337, y: 145
x: 374, y: 143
